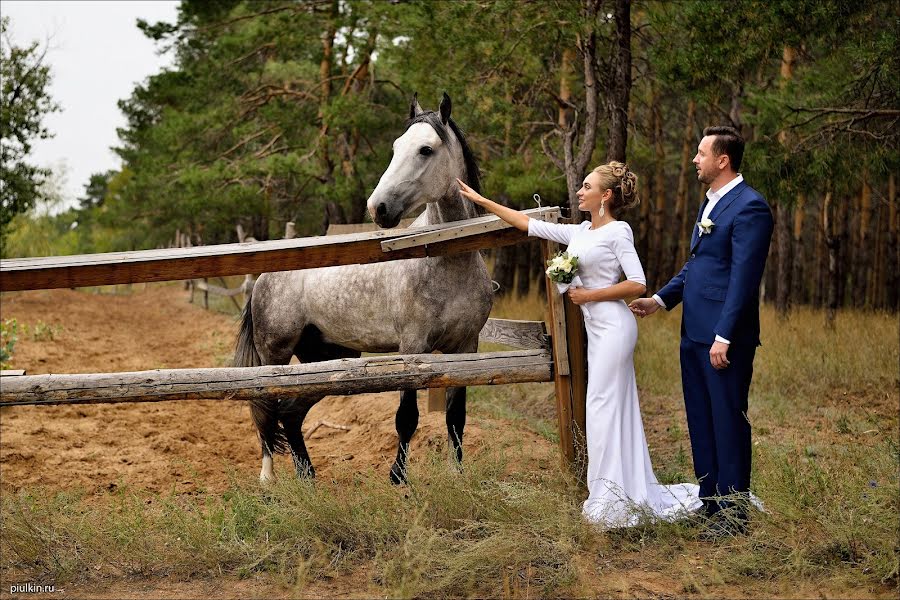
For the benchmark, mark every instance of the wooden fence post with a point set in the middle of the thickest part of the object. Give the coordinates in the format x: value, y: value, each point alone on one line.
x: 570, y: 372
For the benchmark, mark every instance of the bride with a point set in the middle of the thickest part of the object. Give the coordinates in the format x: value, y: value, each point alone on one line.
x: 622, y: 486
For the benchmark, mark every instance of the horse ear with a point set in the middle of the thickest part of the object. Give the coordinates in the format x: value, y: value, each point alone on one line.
x: 414, y: 109
x: 445, y: 108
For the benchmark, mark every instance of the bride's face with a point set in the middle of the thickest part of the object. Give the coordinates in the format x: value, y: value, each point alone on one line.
x: 591, y: 195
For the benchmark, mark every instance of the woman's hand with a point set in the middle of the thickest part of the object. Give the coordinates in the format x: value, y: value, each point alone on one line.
x: 470, y: 194
x: 511, y: 216
x: 579, y: 295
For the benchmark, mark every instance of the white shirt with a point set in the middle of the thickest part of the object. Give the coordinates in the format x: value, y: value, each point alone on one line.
x: 712, y: 199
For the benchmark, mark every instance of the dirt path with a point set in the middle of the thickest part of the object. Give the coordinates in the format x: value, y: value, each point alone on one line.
x: 185, y: 446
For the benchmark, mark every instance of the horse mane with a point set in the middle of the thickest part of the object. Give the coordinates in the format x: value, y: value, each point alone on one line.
x: 473, y: 173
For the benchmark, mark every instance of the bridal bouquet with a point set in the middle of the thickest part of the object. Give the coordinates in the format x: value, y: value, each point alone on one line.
x: 562, y: 269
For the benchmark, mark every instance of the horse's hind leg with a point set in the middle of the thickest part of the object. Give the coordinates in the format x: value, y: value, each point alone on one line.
x: 456, y: 419
x: 456, y: 410
x: 292, y: 420
x: 406, y: 421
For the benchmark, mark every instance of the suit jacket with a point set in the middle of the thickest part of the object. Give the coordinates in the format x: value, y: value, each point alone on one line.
x: 719, y: 284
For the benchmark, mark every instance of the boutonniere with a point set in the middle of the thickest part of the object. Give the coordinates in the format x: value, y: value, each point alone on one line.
x: 705, y: 226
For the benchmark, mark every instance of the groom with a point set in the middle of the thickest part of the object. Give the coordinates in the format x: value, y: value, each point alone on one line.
x: 719, y: 286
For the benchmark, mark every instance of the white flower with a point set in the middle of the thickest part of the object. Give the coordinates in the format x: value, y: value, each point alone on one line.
x: 705, y: 226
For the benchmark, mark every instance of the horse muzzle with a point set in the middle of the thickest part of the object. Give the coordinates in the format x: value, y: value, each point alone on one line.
x: 385, y: 217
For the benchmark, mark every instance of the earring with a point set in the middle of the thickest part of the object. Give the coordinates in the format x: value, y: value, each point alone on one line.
x: 602, y: 208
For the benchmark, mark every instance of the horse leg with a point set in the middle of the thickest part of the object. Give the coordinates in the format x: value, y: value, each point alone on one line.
x: 456, y: 420
x: 292, y: 420
x: 456, y: 410
x: 406, y: 421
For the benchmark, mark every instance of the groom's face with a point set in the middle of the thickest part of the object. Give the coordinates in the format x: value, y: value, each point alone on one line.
x: 708, y: 164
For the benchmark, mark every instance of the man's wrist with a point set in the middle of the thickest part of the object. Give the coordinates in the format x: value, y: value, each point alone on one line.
x: 719, y: 338
x: 659, y: 301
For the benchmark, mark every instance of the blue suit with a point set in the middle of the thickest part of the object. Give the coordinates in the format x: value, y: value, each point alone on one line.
x: 719, y: 286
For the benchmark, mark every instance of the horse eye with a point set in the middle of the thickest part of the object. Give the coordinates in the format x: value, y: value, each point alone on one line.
x: 426, y: 151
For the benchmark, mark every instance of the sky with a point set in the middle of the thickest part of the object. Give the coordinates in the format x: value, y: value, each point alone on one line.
x: 96, y: 56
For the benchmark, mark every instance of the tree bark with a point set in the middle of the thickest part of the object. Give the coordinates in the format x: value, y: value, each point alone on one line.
x: 863, y: 291
x: 659, y: 261
x: 893, y: 262
x: 783, y: 260
x: 832, y: 242
x: 798, y: 291
x: 679, y: 246
x: 783, y: 210
x: 620, y: 93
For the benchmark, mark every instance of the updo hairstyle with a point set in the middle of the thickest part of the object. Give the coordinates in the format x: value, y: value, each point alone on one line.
x: 617, y: 177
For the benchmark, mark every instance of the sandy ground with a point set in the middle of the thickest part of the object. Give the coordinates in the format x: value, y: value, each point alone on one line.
x: 197, y: 446
x: 184, y: 446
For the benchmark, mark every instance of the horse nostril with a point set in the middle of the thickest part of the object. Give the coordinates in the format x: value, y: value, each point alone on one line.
x: 381, y: 209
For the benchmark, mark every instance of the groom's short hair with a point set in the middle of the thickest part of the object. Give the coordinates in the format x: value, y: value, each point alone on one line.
x: 728, y: 141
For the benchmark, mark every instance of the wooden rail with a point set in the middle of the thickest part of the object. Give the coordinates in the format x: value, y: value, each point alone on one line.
x: 171, y: 264
x: 333, y: 377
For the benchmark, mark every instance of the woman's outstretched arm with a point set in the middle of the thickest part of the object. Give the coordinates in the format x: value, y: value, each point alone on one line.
x: 510, y: 215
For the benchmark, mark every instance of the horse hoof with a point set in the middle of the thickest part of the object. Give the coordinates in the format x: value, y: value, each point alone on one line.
x: 398, y: 475
x: 306, y: 474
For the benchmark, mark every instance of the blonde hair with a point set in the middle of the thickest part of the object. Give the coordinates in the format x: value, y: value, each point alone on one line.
x: 616, y: 176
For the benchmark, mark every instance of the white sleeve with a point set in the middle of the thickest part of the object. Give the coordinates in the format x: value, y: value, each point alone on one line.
x: 555, y: 232
x: 623, y: 247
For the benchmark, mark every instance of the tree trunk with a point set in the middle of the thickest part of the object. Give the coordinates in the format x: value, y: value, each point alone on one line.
x: 659, y: 261
x: 325, y: 67
x: 619, y: 95
x: 523, y: 269
x: 782, y: 209
x: 863, y: 290
x: 843, y: 254
x: 783, y: 260
x: 505, y: 269
x: 832, y: 242
x: 893, y: 262
x: 678, y: 248
x: 818, y: 275
x: 566, y: 77
x: 798, y: 291
x: 574, y: 160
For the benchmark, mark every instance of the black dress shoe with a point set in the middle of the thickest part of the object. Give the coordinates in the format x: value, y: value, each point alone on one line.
x: 723, y: 525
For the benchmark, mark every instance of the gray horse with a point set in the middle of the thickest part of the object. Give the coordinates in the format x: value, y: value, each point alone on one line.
x: 412, y: 306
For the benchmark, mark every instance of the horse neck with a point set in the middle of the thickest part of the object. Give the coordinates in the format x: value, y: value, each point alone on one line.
x: 449, y: 208
x: 452, y: 207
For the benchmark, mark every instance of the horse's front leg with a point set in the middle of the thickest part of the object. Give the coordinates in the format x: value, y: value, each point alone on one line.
x: 456, y: 420
x: 406, y: 421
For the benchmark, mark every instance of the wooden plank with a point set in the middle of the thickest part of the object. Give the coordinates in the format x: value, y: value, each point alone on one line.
x: 561, y: 383
x: 576, y: 341
x: 525, y: 335
x: 170, y: 264
x: 335, y: 377
x: 12, y: 372
x: 470, y: 227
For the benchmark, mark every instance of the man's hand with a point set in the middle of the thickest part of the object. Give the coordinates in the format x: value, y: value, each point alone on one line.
x: 718, y: 355
x: 644, y: 307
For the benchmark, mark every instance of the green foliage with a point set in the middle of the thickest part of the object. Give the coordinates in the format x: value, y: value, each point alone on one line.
x: 25, y: 100
x: 256, y: 124
x: 9, y: 335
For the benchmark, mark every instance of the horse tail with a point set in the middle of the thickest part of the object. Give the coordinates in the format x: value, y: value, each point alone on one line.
x: 245, y: 354
x: 263, y: 411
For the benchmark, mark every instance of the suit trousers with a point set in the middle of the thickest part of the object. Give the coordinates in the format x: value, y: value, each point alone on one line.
x: 716, y: 406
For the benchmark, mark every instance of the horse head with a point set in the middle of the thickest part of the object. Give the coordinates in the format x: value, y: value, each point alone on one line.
x: 427, y: 159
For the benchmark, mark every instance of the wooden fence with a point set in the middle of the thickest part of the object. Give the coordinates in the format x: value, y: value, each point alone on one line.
x: 559, y: 357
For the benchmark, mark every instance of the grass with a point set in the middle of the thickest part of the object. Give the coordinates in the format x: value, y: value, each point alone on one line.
x: 826, y: 457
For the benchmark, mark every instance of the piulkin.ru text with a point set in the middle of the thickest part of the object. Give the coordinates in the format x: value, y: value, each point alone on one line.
x: 31, y: 588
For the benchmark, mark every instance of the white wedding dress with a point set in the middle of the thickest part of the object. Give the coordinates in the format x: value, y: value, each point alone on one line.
x: 623, y: 488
